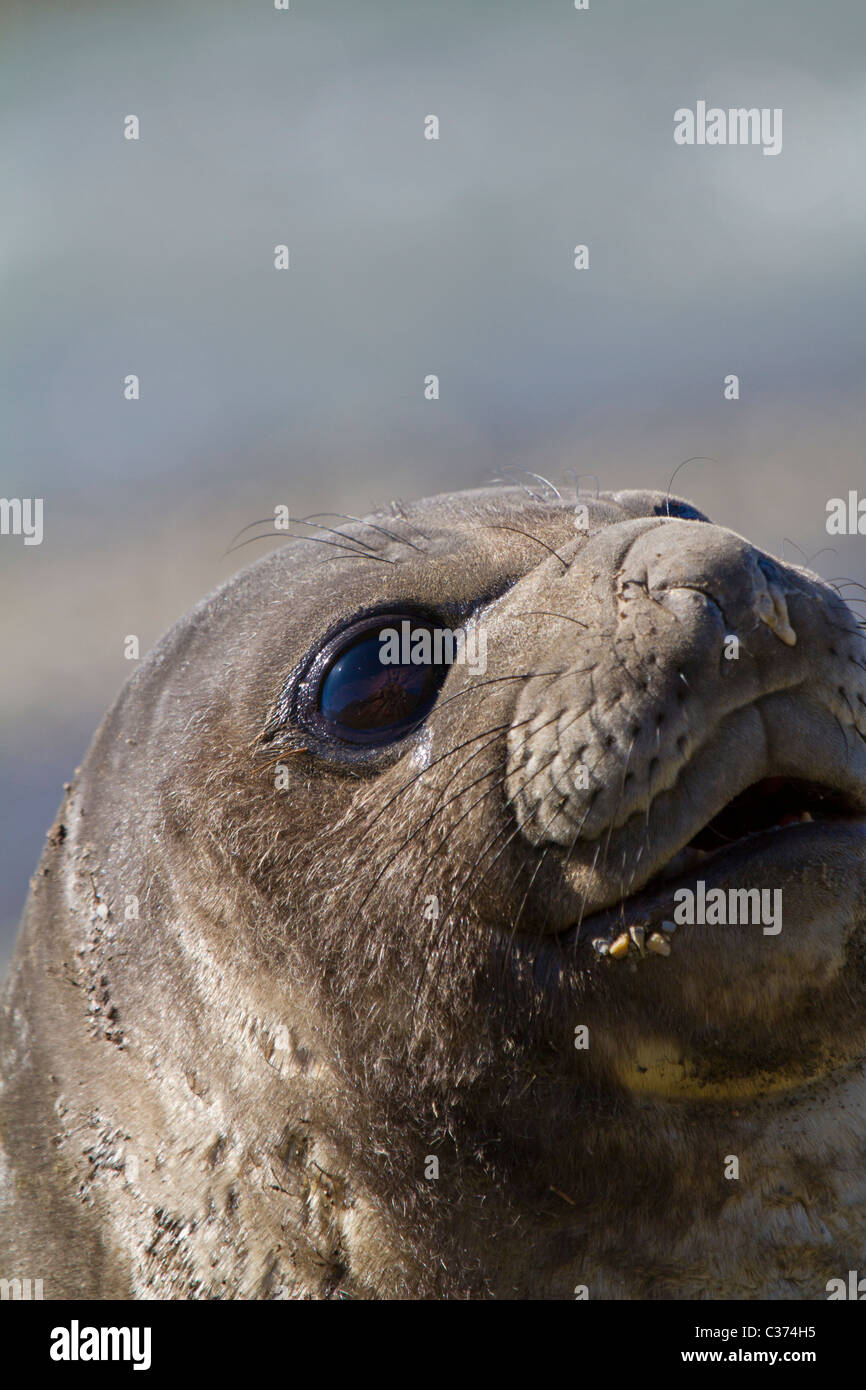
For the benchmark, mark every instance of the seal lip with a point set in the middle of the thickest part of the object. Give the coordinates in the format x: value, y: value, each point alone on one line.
x: 653, y: 903
x: 719, y: 830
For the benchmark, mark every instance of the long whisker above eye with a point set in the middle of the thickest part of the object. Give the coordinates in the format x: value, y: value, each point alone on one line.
x: 497, y: 481
x: 265, y: 521
x: 346, y: 516
x: 308, y: 521
x: 528, y: 473
x: 315, y: 540
x: 356, y: 540
x: 359, y: 555
x: 518, y: 531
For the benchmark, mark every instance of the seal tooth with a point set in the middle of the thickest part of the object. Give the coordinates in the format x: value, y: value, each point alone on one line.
x: 601, y: 946
x: 658, y: 945
x: 637, y: 935
x: 619, y: 948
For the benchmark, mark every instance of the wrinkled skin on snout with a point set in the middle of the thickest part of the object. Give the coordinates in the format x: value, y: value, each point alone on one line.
x: 294, y: 1017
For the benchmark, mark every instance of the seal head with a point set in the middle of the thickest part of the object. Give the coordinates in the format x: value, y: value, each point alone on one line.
x: 467, y: 971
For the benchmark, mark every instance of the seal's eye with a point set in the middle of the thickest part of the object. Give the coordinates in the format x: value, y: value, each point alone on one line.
x: 380, y: 680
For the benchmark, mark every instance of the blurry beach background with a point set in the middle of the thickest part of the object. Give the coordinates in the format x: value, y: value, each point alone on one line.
x: 408, y: 257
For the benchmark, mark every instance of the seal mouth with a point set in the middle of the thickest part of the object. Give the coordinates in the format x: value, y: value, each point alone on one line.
x: 750, y: 825
x: 761, y: 999
x: 773, y: 803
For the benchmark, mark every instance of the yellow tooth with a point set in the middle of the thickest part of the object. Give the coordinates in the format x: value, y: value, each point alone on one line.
x: 658, y: 944
x: 619, y: 948
x: 806, y: 816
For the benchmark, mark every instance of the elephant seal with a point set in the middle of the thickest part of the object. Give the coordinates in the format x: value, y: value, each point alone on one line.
x: 341, y: 979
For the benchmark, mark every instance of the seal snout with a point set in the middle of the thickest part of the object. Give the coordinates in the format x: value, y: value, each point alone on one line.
x: 694, y: 663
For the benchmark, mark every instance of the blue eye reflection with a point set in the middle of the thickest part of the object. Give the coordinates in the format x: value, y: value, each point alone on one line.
x: 359, y: 695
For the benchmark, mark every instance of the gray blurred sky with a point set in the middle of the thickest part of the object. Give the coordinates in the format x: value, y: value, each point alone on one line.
x: 408, y: 257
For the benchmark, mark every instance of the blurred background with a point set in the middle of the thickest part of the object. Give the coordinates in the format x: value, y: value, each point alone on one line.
x: 408, y: 257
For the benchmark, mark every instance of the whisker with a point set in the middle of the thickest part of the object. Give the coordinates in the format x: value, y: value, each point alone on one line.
x: 417, y: 830
x: 265, y: 521
x: 399, y: 792
x: 518, y: 828
x: 493, y: 729
x: 503, y: 763
x: 316, y: 540
x: 356, y: 540
x: 401, y: 540
x: 518, y: 531
x: 496, y: 480
x: 544, y: 613
x: 358, y: 555
x: 809, y: 560
x: 495, y: 680
x: 527, y: 472
x: 698, y: 458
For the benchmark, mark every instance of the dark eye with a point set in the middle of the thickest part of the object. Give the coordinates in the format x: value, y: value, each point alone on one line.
x: 379, y: 680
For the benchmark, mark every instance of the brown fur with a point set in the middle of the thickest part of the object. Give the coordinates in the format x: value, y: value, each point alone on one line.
x: 235, y: 1093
